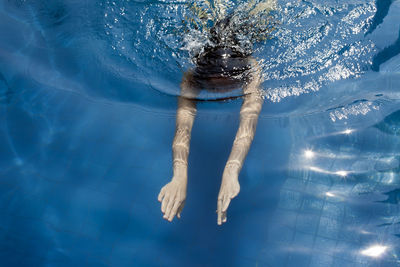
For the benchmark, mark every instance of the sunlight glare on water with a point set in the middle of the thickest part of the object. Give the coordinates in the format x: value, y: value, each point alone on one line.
x: 313, y: 44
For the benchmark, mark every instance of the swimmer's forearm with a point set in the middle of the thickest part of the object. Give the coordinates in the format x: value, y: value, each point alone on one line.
x: 248, y: 122
x: 180, y: 147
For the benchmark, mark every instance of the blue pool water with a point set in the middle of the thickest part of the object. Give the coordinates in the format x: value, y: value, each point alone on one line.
x: 87, y: 115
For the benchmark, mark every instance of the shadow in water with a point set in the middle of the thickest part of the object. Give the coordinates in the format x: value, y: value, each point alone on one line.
x: 391, y: 124
x: 393, y: 197
x: 382, y: 9
x: 386, y: 54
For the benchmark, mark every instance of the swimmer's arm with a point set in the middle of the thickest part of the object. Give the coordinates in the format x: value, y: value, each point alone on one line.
x: 173, y: 194
x: 249, y: 113
x: 180, y: 147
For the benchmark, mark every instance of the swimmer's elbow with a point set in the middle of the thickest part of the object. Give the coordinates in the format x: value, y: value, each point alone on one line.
x: 249, y: 115
x: 250, y: 111
x: 186, y: 112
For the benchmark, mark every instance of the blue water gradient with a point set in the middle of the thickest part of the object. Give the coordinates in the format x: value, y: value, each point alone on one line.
x: 86, y: 132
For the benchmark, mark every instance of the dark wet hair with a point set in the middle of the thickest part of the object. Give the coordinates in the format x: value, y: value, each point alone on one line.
x: 220, y: 62
x: 223, y: 58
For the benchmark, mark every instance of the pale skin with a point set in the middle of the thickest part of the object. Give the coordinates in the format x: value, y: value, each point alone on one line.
x: 173, y: 195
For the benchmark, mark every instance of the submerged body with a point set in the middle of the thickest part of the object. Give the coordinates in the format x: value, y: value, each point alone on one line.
x: 224, y: 65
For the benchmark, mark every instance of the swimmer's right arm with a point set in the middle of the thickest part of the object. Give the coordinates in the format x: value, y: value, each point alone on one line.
x: 173, y: 194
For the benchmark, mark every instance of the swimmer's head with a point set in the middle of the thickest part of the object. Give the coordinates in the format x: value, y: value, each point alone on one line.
x: 222, y: 61
x: 221, y: 65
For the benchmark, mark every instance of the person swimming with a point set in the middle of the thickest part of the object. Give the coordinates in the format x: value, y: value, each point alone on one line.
x: 225, y: 63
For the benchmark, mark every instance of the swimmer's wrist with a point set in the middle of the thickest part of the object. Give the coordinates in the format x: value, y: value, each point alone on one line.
x: 233, y: 165
x: 179, y: 177
x: 180, y: 169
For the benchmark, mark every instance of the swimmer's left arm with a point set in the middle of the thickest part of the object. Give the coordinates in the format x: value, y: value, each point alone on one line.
x: 249, y: 113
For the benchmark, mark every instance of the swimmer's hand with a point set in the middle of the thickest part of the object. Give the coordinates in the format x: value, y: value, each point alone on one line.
x: 173, y: 196
x: 229, y: 189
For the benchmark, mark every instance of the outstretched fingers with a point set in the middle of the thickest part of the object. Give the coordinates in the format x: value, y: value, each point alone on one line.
x: 223, y: 217
x: 174, y: 209
x: 161, y: 194
x: 169, y: 206
x: 226, y: 202
x: 165, y: 203
x: 180, y: 208
x: 219, y: 210
x: 223, y: 203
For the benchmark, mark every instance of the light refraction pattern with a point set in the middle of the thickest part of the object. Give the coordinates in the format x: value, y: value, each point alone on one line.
x: 87, y: 121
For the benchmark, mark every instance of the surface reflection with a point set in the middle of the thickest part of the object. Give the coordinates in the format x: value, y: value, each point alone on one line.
x: 374, y: 251
x: 309, y: 154
x: 348, y: 131
x: 342, y: 173
x: 330, y: 194
x: 339, y: 173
